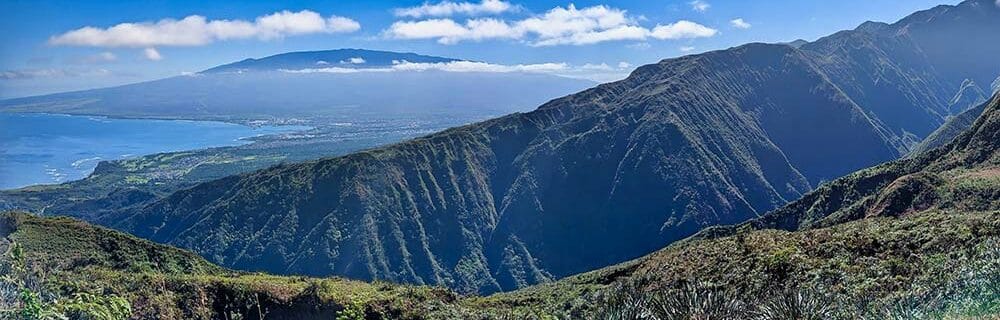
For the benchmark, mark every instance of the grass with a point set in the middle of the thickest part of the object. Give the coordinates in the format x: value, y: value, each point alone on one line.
x: 940, y: 263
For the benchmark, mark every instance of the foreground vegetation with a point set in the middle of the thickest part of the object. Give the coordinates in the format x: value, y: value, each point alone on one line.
x: 933, y: 265
x: 927, y: 265
x: 59, y: 260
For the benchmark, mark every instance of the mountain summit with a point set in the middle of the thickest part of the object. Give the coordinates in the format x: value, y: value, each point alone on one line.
x: 340, y: 58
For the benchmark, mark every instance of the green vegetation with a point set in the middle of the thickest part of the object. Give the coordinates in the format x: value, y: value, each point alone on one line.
x: 65, y: 267
x: 590, y: 180
x: 23, y: 294
x: 607, y: 174
x: 950, y: 129
x: 912, y: 239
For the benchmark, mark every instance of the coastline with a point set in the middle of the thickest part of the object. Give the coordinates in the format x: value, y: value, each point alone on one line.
x: 79, y: 169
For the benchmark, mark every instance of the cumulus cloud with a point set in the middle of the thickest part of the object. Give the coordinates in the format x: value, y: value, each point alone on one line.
x: 739, y: 23
x: 196, y: 30
x: 682, y: 30
x: 699, y: 5
x: 558, y: 26
x: 474, y: 66
x: 447, y: 31
x: 448, y: 8
x: 599, y: 67
x: 151, y: 54
x: 354, y: 60
x: 452, y: 66
x: 686, y: 49
x: 591, y: 71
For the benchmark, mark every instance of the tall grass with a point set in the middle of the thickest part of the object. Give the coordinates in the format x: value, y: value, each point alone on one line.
x: 973, y: 294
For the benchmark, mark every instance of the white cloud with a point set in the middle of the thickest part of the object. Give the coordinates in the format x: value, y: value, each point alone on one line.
x: 561, y: 22
x: 686, y: 49
x: 739, y: 23
x: 599, y: 67
x: 473, y: 66
x: 332, y: 70
x: 355, y: 60
x: 196, y: 30
x: 152, y: 54
x: 452, y: 66
x: 591, y: 71
x: 448, y: 8
x: 559, y: 26
x: 682, y: 30
x: 700, y: 5
x: 447, y: 31
x: 322, y: 62
x: 623, y: 32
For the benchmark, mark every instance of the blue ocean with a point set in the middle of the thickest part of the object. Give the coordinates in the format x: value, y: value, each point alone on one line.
x: 52, y: 148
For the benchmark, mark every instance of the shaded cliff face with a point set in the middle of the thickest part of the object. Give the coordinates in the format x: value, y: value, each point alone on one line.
x: 906, y: 74
x: 961, y: 175
x: 584, y: 181
x: 949, y: 130
x: 922, y: 230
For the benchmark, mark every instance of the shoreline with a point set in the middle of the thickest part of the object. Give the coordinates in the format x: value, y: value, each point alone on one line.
x: 249, y: 139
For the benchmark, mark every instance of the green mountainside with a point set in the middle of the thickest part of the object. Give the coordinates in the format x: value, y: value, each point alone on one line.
x: 935, y: 258
x: 598, y: 177
x: 65, y: 261
x: 961, y: 175
x: 911, y: 239
x: 950, y: 129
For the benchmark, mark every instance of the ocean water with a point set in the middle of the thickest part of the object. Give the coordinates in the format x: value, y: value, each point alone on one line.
x: 51, y: 148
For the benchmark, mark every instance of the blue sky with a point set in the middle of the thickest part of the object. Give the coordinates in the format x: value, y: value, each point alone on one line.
x: 53, y: 46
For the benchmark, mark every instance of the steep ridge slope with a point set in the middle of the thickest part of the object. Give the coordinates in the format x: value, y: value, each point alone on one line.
x: 969, y: 94
x: 584, y: 181
x: 950, y: 129
x: 927, y: 237
x: 922, y: 182
x: 453, y: 207
x: 905, y: 74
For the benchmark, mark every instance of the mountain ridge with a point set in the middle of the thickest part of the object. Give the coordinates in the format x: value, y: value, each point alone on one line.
x: 927, y: 237
x: 585, y: 180
x: 939, y: 261
x: 873, y: 191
